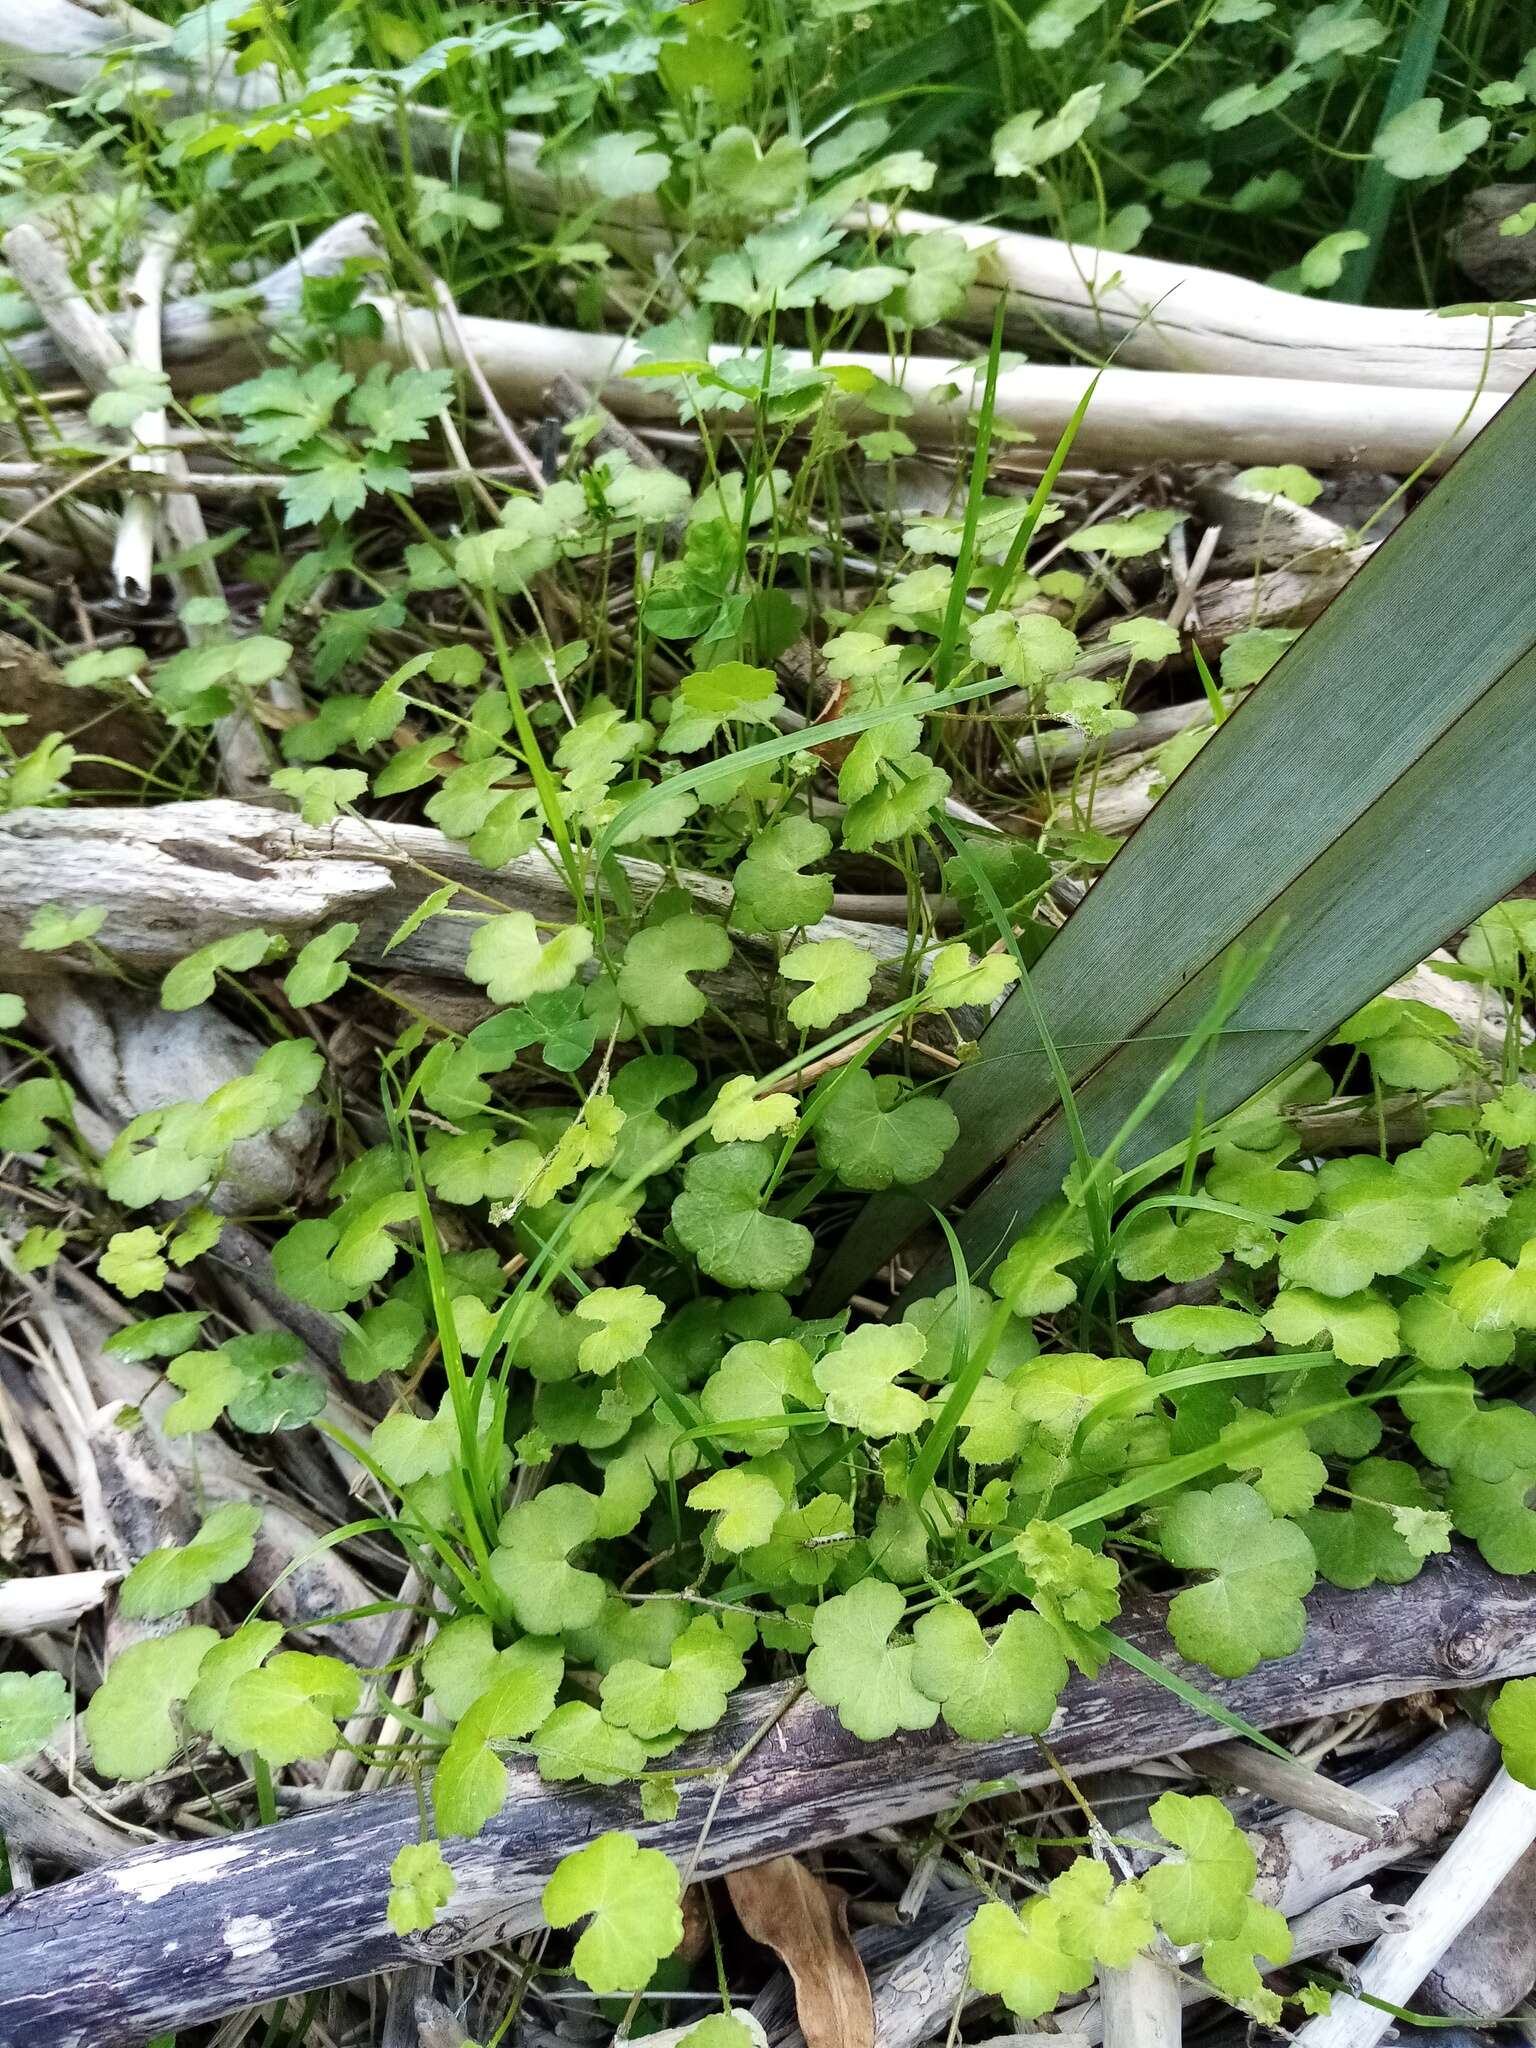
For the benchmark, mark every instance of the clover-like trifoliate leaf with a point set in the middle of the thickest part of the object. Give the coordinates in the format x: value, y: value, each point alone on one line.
x: 128, y: 1721
x: 1262, y: 1569
x: 731, y: 692
x: 531, y: 1563
x: 1435, y: 1333
x: 1029, y: 1278
x: 629, y: 1896
x: 1021, y: 1958
x: 178, y: 1576
x: 1488, y: 1444
x: 1512, y: 1719
x: 1194, y: 1326
x: 576, y: 1742
x: 132, y: 1261
x: 1033, y: 137
x: 287, y: 1708
x: 1081, y: 1583
x: 471, y: 1780
x: 858, y: 1379
x: 1497, y: 1515
x: 756, y: 1380
x: 1203, y: 1894
x: 1361, y: 1544
x: 689, y: 1693
x: 511, y: 962
x: 856, y: 1668
x: 1032, y: 1958
x: 249, y: 1646
x: 1007, y: 1685
x: 1256, y: 1178
x: 319, y: 972
x: 1180, y: 1245
x: 27, y: 1110
x: 1362, y: 1328
x: 33, y: 1705
x: 320, y: 793
x: 1404, y: 1042
x: 839, y: 976
x: 1511, y: 1118
x: 806, y: 1541
x: 773, y: 894
x: 420, y: 1885
x: 250, y: 1378
x: 461, y: 1663
x: 1058, y: 1392
x: 719, y: 1219
x: 1413, y: 144
x: 873, y: 1131
x: 1027, y: 649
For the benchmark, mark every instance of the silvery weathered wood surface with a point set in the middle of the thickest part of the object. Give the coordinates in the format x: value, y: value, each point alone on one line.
x: 176, y: 1936
x: 176, y: 876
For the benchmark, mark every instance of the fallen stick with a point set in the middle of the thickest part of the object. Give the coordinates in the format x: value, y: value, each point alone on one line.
x: 1305, y: 1866
x: 173, y: 877
x: 1154, y: 314
x: 57, y: 1601
x: 55, y: 1829
x: 1159, y: 315
x: 1141, y: 2006
x: 1490, y: 1967
x: 1499, y: 1833
x: 1136, y: 416
x: 95, y: 353
x: 1295, y: 1784
x: 177, y: 1936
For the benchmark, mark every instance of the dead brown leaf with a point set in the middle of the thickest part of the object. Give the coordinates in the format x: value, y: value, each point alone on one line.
x: 804, y: 1920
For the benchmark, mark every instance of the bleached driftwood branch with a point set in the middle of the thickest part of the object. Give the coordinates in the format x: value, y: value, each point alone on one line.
x: 1160, y: 315
x: 176, y: 876
x: 177, y: 1936
x: 1137, y: 416
x: 58, y: 1601
x: 1305, y: 1868
x: 1498, y: 1834
x: 1490, y: 1967
x: 95, y: 352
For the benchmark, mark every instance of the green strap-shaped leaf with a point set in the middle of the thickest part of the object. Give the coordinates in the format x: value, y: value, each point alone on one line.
x: 1327, y: 820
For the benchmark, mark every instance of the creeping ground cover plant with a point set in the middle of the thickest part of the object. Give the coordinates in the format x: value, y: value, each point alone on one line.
x: 691, y: 791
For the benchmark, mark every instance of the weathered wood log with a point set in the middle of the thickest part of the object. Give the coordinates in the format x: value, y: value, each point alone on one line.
x: 128, y: 1056
x: 174, y: 877
x: 177, y: 1936
x: 1166, y: 316
x: 1136, y: 416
